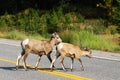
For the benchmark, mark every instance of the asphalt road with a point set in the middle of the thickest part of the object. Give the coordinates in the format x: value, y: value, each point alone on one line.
x: 95, y: 68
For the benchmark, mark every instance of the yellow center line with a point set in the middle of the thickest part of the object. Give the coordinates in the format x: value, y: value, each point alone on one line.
x: 57, y: 73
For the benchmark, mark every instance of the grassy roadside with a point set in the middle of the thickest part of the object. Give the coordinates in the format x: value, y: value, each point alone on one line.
x: 80, y: 38
x: 91, y: 40
x: 19, y: 35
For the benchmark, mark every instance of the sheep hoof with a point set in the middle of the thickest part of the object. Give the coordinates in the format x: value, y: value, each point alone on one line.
x: 82, y: 69
x: 16, y: 67
x: 26, y: 69
x: 54, y: 68
x: 65, y: 70
x: 71, y: 70
x: 51, y: 70
x: 36, y: 68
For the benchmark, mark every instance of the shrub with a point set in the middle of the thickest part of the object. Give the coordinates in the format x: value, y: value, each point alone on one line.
x: 33, y: 21
x: 116, y: 16
x: 58, y: 21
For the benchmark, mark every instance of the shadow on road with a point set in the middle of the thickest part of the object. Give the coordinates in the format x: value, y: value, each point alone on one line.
x: 14, y: 68
x: 29, y: 68
x: 60, y: 69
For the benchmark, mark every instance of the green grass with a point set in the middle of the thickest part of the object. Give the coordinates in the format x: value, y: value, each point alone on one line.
x: 19, y: 35
x: 81, y: 38
x: 90, y: 40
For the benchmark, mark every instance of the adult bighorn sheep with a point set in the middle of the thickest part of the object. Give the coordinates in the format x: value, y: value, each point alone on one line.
x: 42, y: 47
x: 72, y: 51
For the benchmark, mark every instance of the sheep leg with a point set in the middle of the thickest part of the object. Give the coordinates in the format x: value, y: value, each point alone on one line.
x: 72, y: 60
x: 38, y: 61
x: 49, y: 57
x: 18, y: 59
x: 61, y: 61
x: 81, y: 64
x: 51, y: 66
x: 24, y: 61
x: 53, y: 61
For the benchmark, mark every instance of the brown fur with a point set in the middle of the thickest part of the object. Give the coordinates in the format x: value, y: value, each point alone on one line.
x: 39, y: 48
x: 72, y: 51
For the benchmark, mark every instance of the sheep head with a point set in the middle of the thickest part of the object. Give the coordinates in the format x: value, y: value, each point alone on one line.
x: 56, y: 37
x: 88, y: 52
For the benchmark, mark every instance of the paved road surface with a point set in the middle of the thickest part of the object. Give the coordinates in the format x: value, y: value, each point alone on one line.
x: 103, y: 66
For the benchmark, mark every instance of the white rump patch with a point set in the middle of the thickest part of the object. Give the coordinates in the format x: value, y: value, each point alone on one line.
x: 25, y: 42
x: 59, y: 46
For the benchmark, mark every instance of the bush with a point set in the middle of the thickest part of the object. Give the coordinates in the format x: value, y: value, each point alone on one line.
x: 33, y: 21
x: 58, y: 21
x: 116, y: 11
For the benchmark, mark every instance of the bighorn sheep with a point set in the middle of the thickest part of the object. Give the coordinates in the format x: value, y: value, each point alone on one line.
x: 72, y: 51
x: 37, y: 47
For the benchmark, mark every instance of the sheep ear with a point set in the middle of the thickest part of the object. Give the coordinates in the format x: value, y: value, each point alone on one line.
x: 55, y: 33
x: 86, y: 49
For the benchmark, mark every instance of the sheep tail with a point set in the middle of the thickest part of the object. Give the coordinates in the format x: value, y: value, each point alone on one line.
x: 23, y: 50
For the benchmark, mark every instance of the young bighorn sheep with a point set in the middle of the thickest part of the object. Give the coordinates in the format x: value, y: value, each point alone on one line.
x: 72, y: 51
x: 37, y: 47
